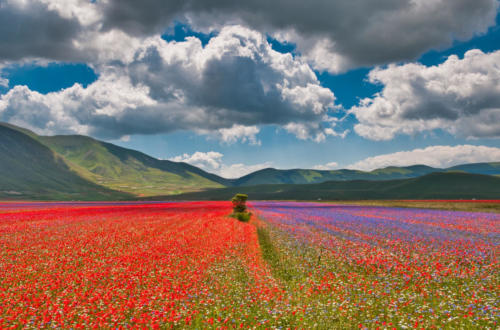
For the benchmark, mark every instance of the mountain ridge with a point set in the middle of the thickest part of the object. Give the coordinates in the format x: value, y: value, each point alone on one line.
x: 115, y: 168
x: 30, y: 170
x: 447, y: 185
x: 296, y: 176
x: 118, y: 172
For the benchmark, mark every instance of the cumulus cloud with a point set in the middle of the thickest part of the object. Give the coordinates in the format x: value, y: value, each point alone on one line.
x: 303, y: 131
x: 208, y: 160
x: 333, y: 35
x: 236, y: 82
x: 229, y: 86
x: 238, y: 170
x: 32, y: 29
x: 41, y: 31
x: 461, y: 96
x: 212, y: 162
x: 239, y: 133
x: 435, y: 156
x: 85, y: 12
x: 327, y: 167
x: 315, y: 131
x: 95, y: 110
x: 237, y: 77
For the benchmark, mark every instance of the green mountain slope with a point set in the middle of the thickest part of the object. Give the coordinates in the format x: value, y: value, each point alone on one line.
x: 300, y: 176
x: 431, y: 186
x: 73, y: 166
x: 478, y: 168
x: 129, y: 170
x: 30, y: 170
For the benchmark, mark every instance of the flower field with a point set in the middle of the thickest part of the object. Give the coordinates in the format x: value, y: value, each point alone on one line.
x: 152, y: 265
x: 387, y: 267
x: 294, y: 265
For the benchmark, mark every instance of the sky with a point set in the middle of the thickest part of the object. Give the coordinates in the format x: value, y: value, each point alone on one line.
x: 233, y: 87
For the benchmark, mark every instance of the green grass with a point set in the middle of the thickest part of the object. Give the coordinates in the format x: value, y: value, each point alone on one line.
x: 392, y: 170
x: 295, y: 265
x: 311, y: 176
x: 82, y: 168
x: 272, y: 257
x: 30, y: 170
x: 127, y: 170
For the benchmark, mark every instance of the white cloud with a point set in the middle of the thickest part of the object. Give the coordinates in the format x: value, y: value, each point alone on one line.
x: 332, y: 35
x: 226, y: 88
x: 95, y: 109
x: 361, y: 38
x: 322, y: 56
x: 238, y: 170
x: 212, y: 162
x: 112, y: 47
x: 239, y: 133
x: 461, y: 96
x: 207, y: 160
x: 332, y: 132
x: 327, y: 167
x: 435, y: 156
x: 238, y: 80
x: 85, y: 11
x: 305, y: 131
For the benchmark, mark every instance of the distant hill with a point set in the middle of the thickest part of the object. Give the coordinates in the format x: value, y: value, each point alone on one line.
x: 479, y: 168
x: 452, y: 185
x: 80, y: 167
x: 302, y: 176
x: 91, y: 163
x: 30, y: 170
x: 129, y: 170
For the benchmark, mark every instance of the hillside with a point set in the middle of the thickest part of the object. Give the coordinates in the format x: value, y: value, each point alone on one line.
x: 301, y: 176
x: 478, y: 168
x: 30, y: 170
x: 78, y: 167
x: 432, y: 186
x: 129, y: 170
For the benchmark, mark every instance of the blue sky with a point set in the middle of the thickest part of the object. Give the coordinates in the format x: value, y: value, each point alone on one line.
x: 366, y: 99
x: 283, y: 150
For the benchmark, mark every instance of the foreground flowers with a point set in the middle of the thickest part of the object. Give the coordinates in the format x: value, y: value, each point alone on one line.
x: 126, y: 265
x: 388, y: 267
x: 189, y: 265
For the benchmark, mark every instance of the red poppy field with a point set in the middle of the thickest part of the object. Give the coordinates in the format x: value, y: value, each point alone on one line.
x: 294, y: 265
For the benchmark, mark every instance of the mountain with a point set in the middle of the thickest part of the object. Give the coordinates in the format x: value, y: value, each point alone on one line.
x: 80, y: 167
x: 440, y: 185
x: 478, y: 168
x: 30, y: 170
x: 94, y: 163
x: 129, y: 170
x: 300, y: 176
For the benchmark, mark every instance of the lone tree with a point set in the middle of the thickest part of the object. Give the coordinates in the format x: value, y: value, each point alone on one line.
x: 239, y: 203
x: 240, y: 208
